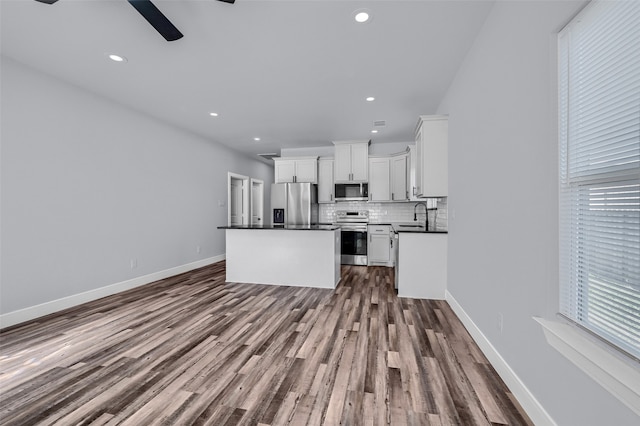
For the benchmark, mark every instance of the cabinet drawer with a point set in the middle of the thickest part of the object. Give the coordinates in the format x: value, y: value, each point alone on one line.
x: 379, y: 229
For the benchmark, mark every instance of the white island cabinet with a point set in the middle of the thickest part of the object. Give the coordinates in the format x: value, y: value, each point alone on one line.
x: 422, y: 265
x: 293, y: 256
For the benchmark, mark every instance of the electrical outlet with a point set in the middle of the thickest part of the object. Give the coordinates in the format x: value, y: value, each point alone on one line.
x: 220, y: 203
x: 197, y: 249
x: 500, y: 321
x: 134, y: 263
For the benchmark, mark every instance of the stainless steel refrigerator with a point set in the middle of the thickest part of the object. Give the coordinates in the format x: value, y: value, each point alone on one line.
x: 294, y: 204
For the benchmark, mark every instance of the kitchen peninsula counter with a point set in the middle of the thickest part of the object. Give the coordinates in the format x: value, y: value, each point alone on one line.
x: 291, y: 255
x: 413, y: 227
x: 324, y: 227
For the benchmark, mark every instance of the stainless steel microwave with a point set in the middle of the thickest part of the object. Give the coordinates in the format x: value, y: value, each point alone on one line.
x: 351, y: 192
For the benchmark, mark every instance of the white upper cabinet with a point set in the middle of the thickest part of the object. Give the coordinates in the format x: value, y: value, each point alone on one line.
x: 417, y: 166
x: 432, y: 156
x: 379, y: 179
x: 299, y: 169
x: 325, y: 180
x: 412, y: 185
x: 307, y: 170
x: 399, y: 177
x: 360, y: 162
x: 351, y: 161
x: 284, y: 170
x: 342, y: 163
x: 388, y: 178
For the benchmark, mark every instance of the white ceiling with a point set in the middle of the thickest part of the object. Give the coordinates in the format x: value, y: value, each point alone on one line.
x: 294, y: 73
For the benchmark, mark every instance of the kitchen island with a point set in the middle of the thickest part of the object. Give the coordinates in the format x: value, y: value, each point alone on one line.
x: 292, y: 255
x: 421, y: 264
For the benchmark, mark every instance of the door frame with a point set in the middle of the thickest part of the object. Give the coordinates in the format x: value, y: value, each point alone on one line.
x: 245, y: 197
x: 260, y: 184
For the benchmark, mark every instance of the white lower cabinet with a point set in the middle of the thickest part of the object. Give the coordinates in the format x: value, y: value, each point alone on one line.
x: 421, y: 269
x: 380, y: 248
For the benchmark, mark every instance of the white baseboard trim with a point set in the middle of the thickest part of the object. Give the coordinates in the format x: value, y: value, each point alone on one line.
x: 32, y: 312
x: 529, y: 403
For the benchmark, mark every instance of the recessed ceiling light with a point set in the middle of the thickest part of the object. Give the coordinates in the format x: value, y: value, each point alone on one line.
x: 374, y: 131
x: 256, y: 139
x: 117, y: 58
x: 213, y: 114
x: 361, y: 16
x: 371, y: 99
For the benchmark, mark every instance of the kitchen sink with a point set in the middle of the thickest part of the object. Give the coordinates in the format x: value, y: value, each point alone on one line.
x: 411, y: 226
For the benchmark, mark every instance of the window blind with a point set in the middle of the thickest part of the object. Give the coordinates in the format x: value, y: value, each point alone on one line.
x: 599, y: 132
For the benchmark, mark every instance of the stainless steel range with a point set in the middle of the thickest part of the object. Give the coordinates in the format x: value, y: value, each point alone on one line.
x: 353, y: 227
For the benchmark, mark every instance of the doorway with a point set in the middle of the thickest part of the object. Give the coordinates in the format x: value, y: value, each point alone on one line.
x: 257, y: 202
x: 237, y: 199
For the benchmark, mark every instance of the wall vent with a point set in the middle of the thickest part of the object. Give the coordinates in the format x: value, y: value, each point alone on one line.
x: 379, y: 123
x: 269, y: 156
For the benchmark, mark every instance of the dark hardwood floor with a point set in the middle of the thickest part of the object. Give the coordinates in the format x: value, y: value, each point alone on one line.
x: 192, y: 349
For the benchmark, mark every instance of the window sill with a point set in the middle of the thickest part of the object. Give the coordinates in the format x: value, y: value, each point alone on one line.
x: 621, y: 379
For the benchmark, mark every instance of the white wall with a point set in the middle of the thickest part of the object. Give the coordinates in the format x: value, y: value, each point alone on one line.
x: 87, y: 185
x: 503, y: 241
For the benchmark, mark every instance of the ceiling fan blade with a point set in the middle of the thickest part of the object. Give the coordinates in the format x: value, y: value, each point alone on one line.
x: 226, y: 1
x: 160, y: 22
x: 47, y: 1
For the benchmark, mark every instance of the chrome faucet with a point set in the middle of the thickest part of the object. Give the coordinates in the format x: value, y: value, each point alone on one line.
x: 426, y: 214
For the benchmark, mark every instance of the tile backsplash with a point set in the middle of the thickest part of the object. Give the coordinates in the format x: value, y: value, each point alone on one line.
x: 390, y: 212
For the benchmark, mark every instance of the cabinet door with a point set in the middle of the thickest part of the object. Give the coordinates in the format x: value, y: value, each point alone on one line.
x: 419, y: 165
x: 342, y: 165
x: 399, y: 190
x: 435, y: 179
x: 418, y: 253
x: 307, y: 171
x: 411, y: 175
x: 360, y: 162
x: 379, y: 179
x: 325, y: 181
x: 284, y: 171
x: 379, y: 250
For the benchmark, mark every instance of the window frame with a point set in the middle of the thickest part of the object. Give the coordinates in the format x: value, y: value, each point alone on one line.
x: 599, y: 173
x: 615, y: 370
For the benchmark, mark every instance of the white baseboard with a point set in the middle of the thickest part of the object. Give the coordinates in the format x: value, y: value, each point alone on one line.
x: 32, y: 312
x: 529, y: 403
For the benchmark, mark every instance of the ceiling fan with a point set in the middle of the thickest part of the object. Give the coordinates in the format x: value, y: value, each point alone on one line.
x: 153, y: 15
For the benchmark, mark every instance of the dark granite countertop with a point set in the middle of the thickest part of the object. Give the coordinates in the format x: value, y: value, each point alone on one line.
x: 396, y: 227
x: 410, y: 227
x: 284, y: 227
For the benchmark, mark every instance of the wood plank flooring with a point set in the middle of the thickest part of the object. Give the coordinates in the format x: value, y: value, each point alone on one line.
x: 194, y: 350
